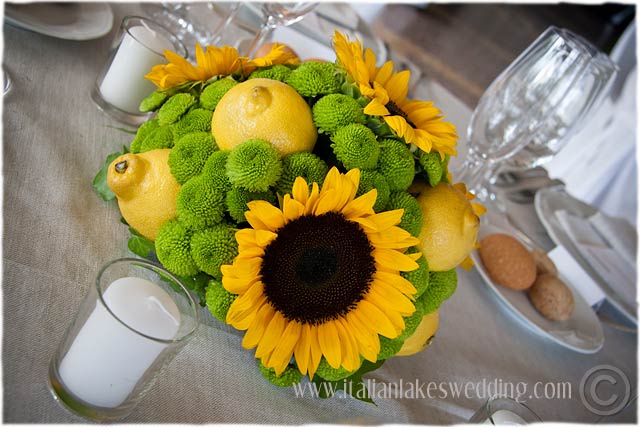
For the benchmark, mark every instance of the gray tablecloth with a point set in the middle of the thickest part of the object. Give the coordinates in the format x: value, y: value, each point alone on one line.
x: 57, y: 233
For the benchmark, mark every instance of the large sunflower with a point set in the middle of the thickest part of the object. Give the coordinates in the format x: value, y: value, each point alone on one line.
x: 418, y: 122
x: 320, y: 277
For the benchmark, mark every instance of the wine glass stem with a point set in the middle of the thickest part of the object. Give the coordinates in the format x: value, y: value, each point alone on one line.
x: 477, y: 174
x: 264, y: 33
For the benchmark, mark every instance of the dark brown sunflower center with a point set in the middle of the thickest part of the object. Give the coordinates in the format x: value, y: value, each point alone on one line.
x: 318, y: 268
x: 397, y: 111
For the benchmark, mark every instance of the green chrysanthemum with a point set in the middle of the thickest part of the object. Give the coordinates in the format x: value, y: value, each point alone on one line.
x: 396, y: 163
x: 442, y: 284
x: 326, y: 372
x: 287, y: 378
x: 432, y: 166
x: 278, y: 72
x: 173, y: 248
x: 370, y: 179
x: 419, y: 277
x: 389, y: 347
x: 162, y: 137
x: 174, y: 108
x: 314, y: 78
x: 215, y: 170
x: 153, y: 102
x: 355, y: 145
x: 255, y: 165
x: 334, y: 111
x: 306, y: 165
x: 412, y: 216
x: 238, y: 197
x: 213, y: 247
x: 143, y: 131
x: 200, y: 204
x: 213, y: 93
x: 196, y: 120
x: 189, y: 155
x: 219, y: 300
x: 411, y: 323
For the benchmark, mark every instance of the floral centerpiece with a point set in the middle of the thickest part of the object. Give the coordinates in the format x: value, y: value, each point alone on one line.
x: 307, y: 204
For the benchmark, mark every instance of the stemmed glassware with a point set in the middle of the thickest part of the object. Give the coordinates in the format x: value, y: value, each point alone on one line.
x: 275, y: 15
x: 532, y: 106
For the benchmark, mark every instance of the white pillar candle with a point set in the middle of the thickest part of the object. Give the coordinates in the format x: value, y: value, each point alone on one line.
x: 504, y: 417
x: 124, y: 85
x: 107, y: 359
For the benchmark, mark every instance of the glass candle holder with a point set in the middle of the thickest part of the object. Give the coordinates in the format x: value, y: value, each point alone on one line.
x: 121, y: 86
x: 131, y: 324
x: 504, y: 411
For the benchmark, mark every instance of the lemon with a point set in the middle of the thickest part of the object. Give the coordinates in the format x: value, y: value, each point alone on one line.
x: 421, y: 338
x: 264, y: 109
x: 449, y: 226
x: 145, y: 188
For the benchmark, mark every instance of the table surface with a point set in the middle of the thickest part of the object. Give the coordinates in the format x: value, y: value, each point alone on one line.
x: 57, y: 234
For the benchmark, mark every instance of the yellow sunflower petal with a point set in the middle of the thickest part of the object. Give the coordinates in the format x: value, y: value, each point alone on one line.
x: 397, y: 281
x: 365, y: 338
x: 363, y: 205
x: 467, y: 263
x: 394, y: 259
x: 272, y: 335
x: 316, y: 352
x: 302, y: 350
x: 478, y: 209
x: 267, y: 213
x: 393, y: 238
x: 330, y: 343
x: 370, y: 314
x: 392, y: 297
x: 281, y: 355
x: 375, y: 108
x: 255, y: 331
x: 348, y: 348
x: 398, y: 85
x: 300, y: 191
x: 291, y: 208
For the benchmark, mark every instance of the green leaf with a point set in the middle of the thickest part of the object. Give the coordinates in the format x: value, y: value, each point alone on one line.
x: 125, y: 130
x: 197, y: 284
x: 141, y: 246
x: 353, y: 385
x: 100, y: 180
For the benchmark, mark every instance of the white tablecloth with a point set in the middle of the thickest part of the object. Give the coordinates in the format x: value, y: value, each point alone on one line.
x: 57, y: 233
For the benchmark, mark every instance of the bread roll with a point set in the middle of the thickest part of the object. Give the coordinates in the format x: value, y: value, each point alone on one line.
x: 552, y: 297
x: 507, y: 261
x: 544, y: 265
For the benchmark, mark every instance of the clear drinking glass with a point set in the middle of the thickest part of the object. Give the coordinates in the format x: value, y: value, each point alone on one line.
x: 504, y: 411
x: 275, y: 15
x: 538, y: 99
x: 133, y: 321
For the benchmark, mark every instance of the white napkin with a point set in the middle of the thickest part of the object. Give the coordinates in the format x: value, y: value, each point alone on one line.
x: 576, y: 276
x: 618, y: 233
x: 609, y: 263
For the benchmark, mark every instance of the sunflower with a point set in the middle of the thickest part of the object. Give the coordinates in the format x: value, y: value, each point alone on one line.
x: 212, y: 62
x: 418, y: 122
x: 279, y: 54
x: 320, y: 277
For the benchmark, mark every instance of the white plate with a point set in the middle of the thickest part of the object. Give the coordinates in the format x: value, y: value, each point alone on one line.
x: 71, y: 21
x: 582, y: 332
x: 547, y: 202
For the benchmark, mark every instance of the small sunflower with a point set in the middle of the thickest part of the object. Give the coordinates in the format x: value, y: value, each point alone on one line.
x: 320, y: 277
x: 418, y: 122
x: 279, y: 55
x: 212, y: 62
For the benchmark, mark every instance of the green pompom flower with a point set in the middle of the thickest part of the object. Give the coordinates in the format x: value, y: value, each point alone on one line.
x: 238, y: 197
x: 173, y: 248
x: 215, y: 170
x: 412, y: 216
x: 189, y: 155
x: 389, y: 347
x: 213, y: 247
x: 255, y: 165
x: 306, y: 165
x: 287, y: 378
x: 174, y: 108
x: 334, y: 111
x: 396, y: 163
x: 370, y: 179
x: 326, y: 372
x: 196, y: 120
x: 213, y: 93
x: 278, y: 72
x: 442, y: 284
x: 432, y: 166
x: 162, y: 137
x: 411, y: 323
x: 143, y: 131
x: 200, y: 204
x: 419, y: 277
x: 219, y: 300
x: 314, y: 78
x: 153, y: 102
x: 355, y: 145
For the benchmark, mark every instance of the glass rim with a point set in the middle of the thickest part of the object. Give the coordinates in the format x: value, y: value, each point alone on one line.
x: 577, y: 41
x: 156, y: 269
x: 496, y: 399
x: 175, y: 41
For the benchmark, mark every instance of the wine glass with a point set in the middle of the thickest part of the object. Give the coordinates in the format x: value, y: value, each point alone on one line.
x: 539, y: 99
x: 275, y: 15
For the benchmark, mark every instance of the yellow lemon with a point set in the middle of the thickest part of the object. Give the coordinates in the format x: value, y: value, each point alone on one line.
x: 264, y: 109
x: 145, y: 188
x: 421, y: 338
x: 449, y: 226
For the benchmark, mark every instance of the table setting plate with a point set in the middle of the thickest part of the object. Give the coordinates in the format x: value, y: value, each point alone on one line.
x: 582, y: 332
x: 69, y: 21
x: 547, y: 203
